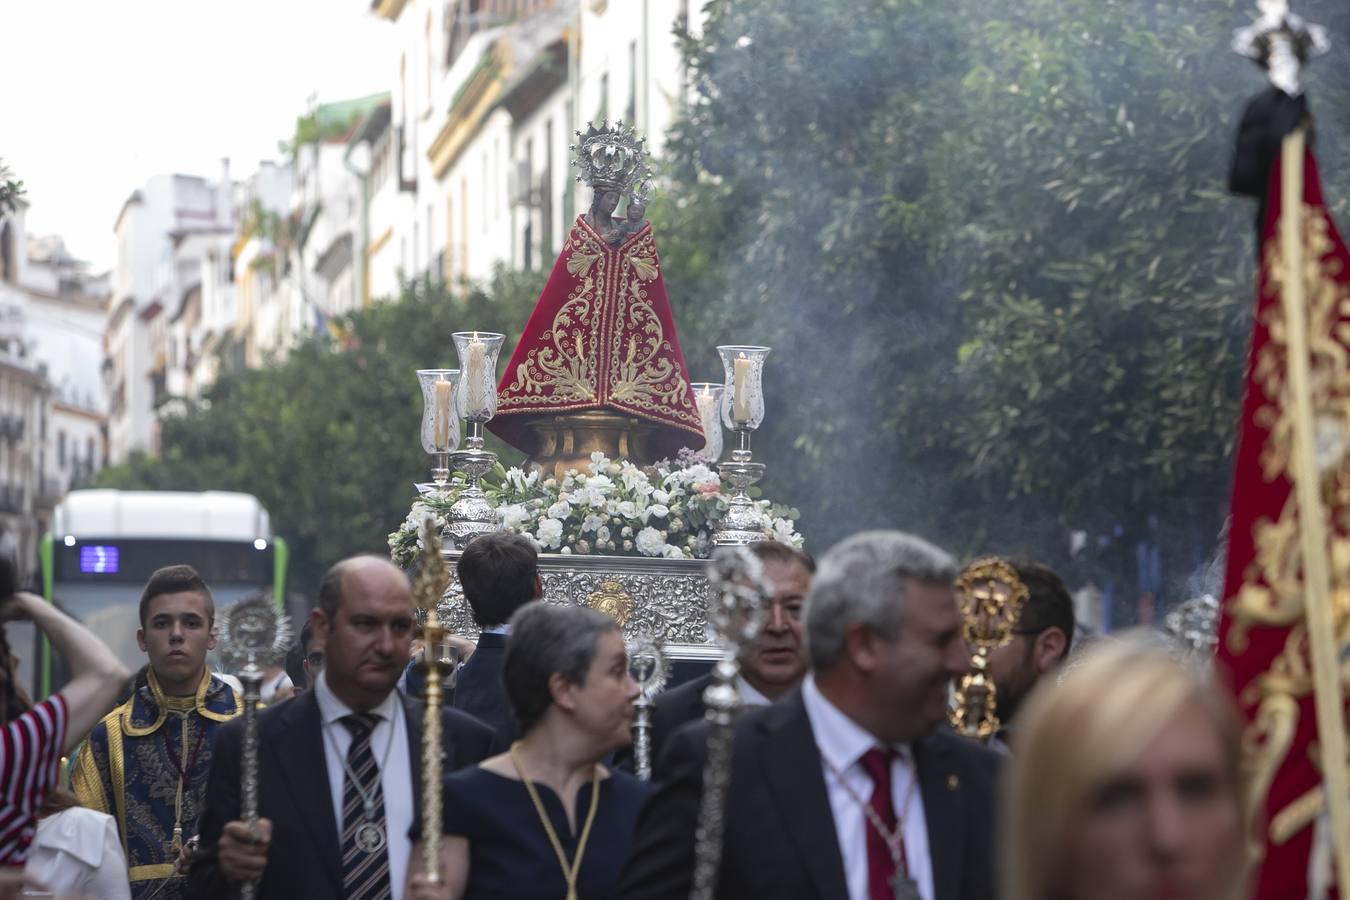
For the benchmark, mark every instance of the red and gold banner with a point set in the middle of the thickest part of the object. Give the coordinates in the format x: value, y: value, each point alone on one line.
x: 601, y: 337
x: 1263, y: 646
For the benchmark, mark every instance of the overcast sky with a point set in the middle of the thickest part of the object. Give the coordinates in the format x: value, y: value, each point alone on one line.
x: 98, y: 95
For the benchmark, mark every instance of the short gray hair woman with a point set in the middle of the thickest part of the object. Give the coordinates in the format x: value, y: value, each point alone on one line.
x: 546, y: 819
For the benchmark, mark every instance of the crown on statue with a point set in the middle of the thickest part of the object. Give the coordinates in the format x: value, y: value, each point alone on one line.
x: 610, y: 158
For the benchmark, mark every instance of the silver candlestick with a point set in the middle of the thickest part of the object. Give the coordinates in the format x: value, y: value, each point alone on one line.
x: 471, y: 514
x: 742, y: 405
x: 251, y: 634
x: 440, y: 425
x: 736, y: 615
x: 647, y: 663
x: 743, y: 523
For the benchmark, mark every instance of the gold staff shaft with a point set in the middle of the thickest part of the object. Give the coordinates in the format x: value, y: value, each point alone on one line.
x: 434, y: 636
x: 1327, y: 694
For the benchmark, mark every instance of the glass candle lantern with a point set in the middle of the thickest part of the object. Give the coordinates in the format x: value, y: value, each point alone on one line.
x: 743, y: 389
x: 440, y: 425
x: 708, y: 399
x: 478, y: 351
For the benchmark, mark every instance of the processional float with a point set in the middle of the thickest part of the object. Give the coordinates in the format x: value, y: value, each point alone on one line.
x: 1285, y: 616
x: 623, y: 489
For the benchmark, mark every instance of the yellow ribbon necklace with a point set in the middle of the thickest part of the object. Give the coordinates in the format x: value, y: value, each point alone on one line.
x: 570, y: 872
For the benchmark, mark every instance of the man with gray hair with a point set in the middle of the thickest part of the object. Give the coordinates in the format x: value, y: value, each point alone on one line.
x: 851, y: 786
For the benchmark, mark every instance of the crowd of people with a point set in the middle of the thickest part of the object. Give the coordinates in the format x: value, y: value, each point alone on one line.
x: 1116, y: 772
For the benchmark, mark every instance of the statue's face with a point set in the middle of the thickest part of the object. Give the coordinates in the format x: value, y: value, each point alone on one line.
x: 636, y: 210
x: 609, y: 201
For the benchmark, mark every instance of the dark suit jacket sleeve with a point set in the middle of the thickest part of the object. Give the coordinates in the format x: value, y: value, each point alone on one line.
x: 473, y: 741
x: 661, y: 864
x: 221, y: 805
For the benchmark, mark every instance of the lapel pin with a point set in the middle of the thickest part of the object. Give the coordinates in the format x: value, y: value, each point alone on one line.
x: 953, y: 782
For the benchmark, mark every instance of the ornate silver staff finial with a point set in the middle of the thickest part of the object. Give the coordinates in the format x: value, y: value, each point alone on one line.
x: 735, y: 616
x: 1196, y: 624
x: 250, y: 635
x: 1281, y: 42
x: 647, y: 663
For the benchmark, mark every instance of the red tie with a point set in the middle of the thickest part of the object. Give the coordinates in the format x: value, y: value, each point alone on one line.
x: 880, y: 865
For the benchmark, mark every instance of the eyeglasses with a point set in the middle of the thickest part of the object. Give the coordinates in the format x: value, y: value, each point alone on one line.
x: 314, y: 659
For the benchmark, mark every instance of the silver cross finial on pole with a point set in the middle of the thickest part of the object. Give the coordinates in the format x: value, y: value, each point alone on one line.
x: 1281, y: 42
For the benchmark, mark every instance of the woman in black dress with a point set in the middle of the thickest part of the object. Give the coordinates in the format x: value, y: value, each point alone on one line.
x: 547, y: 821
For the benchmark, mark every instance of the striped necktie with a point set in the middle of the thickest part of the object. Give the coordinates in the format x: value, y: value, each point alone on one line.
x: 365, y: 867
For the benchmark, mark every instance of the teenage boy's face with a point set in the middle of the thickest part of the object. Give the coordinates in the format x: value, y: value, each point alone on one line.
x: 176, y: 636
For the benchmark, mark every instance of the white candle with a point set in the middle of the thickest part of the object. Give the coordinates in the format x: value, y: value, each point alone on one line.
x: 442, y: 416
x: 705, y: 412
x: 740, y: 400
x: 476, y: 371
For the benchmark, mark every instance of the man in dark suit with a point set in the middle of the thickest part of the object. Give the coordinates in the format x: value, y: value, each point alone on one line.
x: 499, y: 573
x: 864, y: 731
x: 339, y: 765
x: 772, y: 668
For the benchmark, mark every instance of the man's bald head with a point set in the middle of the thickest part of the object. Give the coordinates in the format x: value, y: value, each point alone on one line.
x: 366, y: 568
x: 365, y: 622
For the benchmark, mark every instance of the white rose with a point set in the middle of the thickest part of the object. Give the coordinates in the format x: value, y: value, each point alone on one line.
x: 628, y: 509
x: 602, y: 534
x: 514, y: 515
x: 560, y: 510
x: 550, y: 533
x: 650, y: 542
x: 656, y: 509
x: 672, y: 552
x: 660, y: 497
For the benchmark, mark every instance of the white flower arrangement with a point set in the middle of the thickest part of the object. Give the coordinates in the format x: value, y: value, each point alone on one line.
x: 669, y: 510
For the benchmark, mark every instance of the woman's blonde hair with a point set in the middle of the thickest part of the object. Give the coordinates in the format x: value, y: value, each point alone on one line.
x: 1075, y: 736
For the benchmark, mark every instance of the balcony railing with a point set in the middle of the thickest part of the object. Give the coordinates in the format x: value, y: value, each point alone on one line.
x: 50, y: 491
x: 11, y: 498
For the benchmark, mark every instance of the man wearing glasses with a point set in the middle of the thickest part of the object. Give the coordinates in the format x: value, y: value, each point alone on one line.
x: 1041, y: 641
x: 769, y: 670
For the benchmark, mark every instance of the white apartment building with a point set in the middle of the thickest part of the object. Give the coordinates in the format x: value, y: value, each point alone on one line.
x: 51, y: 404
x: 327, y: 203
x: 167, y: 231
x: 486, y: 99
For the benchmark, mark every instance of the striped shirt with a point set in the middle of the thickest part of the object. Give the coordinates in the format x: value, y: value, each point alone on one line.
x: 30, y: 755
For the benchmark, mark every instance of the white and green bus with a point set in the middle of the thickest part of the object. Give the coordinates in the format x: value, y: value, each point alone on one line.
x: 105, y: 543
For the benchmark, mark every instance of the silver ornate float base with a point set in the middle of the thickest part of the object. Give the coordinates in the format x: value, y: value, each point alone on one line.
x: 666, y: 598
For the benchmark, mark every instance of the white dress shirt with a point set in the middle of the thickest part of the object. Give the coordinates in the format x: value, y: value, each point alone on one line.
x: 389, y: 743
x: 842, y: 743
x: 749, y: 695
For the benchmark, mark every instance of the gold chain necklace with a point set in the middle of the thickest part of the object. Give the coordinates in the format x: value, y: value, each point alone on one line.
x: 570, y: 872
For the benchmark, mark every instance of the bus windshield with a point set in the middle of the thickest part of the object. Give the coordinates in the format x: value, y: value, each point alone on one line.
x: 106, y: 543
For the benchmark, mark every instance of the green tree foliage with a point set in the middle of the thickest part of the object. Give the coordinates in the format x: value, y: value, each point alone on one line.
x: 992, y: 247
x: 11, y: 189
x: 328, y: 439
